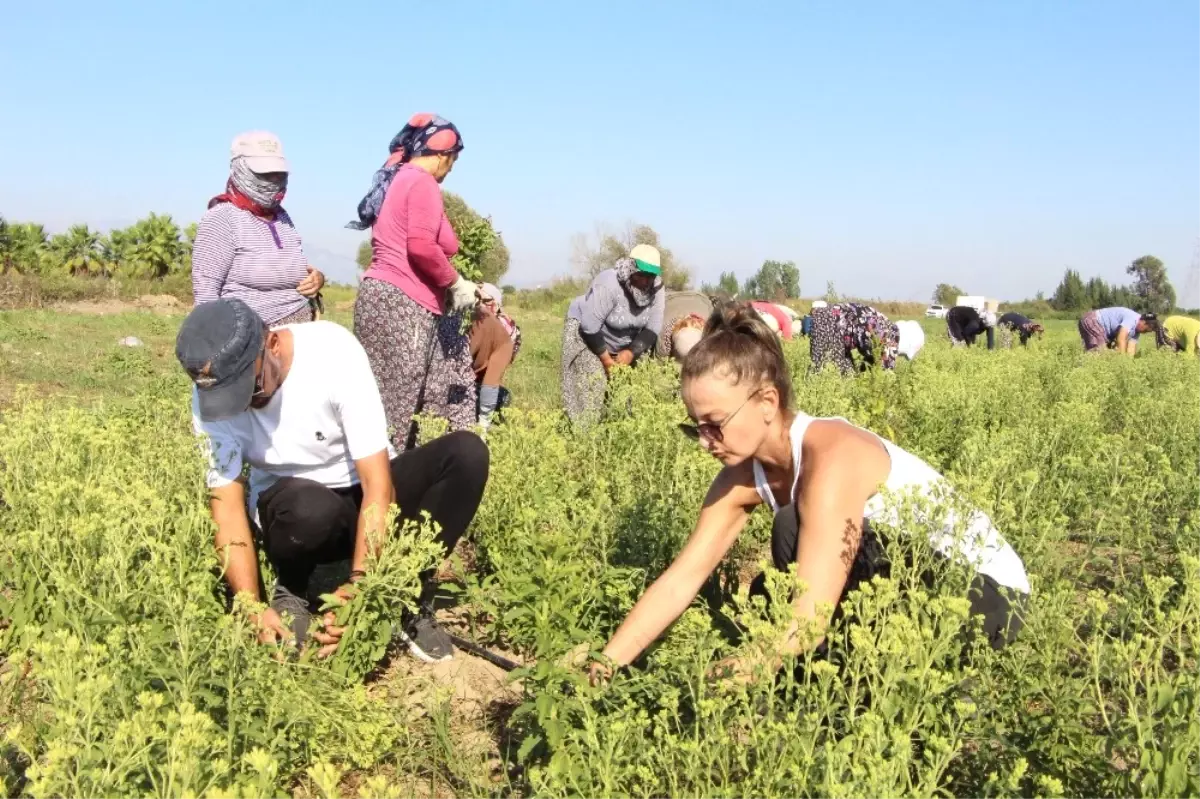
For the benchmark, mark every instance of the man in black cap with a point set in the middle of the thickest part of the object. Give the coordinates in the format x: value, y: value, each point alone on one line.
x: 299, y: 404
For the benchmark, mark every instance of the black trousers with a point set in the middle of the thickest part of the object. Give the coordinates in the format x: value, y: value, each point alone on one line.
x: 308, y: 530
x: 1001, y: 620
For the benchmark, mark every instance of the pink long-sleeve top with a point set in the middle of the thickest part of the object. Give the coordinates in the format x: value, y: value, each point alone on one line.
x: 412, y: 241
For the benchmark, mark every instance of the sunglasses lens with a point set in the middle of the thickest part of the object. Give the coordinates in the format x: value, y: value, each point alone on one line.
x: 691, y: 431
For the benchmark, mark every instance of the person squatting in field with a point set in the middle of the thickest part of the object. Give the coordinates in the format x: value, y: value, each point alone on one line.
x: 491, y: 299
x: 843, y: 329
x: 1013, y: 322
x: 299, y: 404
x: 407, y: 311
x: 1118, y: 328
x: 964, y: 323
x: 493, y: 348
x: 246, y: 245
x: 685, y: 314
x: 821, y: 477
x: 618, y: 320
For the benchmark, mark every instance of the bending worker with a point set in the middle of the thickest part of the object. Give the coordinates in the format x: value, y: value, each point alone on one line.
x: 492, y: 351
x: 1117, y: 328
x: 964, y: 323
x: 825, y: 480
x: 775, y: 316
x: 841, y: 330
x: 1184, y: 333
x: 615, y: 323
x: 1013, y: 322
x: 685, y: 314
x: 299, y: 404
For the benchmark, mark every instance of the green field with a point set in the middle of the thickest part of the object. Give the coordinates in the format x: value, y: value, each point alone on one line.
x: 122, y: 675
x: 76, y: 355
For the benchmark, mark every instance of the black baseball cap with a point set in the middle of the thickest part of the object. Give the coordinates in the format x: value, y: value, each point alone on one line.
x: 217, y: 346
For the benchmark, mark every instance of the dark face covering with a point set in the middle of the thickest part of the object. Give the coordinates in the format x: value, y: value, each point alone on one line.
x: 268, y: 381
x: 627, y: 270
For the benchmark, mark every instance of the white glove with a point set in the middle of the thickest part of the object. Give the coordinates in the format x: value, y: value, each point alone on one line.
x: 462, y: 294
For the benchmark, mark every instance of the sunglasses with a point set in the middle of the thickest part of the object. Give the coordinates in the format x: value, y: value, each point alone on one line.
x: 710, y: 431
x: 260, y: 372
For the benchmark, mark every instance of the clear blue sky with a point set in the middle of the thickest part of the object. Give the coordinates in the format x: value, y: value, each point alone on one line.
x: 884, y: 145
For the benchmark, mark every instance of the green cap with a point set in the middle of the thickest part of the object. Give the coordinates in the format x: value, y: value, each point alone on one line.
x: 647, y: 258
x: 645, y: 267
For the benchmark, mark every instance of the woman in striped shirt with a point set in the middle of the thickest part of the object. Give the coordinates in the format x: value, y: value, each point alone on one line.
x: 246, y: 245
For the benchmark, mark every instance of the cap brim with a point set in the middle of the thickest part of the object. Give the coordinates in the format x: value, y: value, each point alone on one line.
x: 262, y: 164
x: 227, y: 401
x: 643, y: 266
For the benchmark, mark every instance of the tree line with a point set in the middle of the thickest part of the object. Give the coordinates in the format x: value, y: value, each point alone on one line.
x: 157, y: 247
x: 1150, y: 292
x: 154, y: 247
x: 774, y: 281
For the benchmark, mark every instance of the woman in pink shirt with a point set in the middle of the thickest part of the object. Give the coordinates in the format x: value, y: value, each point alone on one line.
x: 407, y: 311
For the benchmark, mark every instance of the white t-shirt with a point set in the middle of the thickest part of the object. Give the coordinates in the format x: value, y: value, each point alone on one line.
x: 326, y: 415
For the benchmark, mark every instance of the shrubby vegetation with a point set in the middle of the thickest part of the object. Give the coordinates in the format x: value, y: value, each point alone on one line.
x: 123, y: 675
x: 154, y: 247
x: 482, y: 254
x: 1088, y: 465
x: 592, y: 257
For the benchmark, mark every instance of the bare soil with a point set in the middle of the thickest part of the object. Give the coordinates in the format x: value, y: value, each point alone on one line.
x: 165, y: 304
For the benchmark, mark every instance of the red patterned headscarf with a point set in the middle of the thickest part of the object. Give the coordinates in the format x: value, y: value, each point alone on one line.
x: 425, y: 134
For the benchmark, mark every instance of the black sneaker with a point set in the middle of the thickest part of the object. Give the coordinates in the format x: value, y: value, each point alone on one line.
x: 284, y: 602
x: 426, y: 639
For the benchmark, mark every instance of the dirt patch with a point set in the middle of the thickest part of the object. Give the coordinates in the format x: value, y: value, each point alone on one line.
x: 471, y: 684
x: 159, y: 302
x: 155, y: 303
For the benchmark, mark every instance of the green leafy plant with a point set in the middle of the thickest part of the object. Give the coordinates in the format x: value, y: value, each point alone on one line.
x: 391, y: 585
x: 125, y: 674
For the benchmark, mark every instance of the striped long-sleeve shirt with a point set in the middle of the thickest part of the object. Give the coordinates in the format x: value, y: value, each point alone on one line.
x: 237, y: 254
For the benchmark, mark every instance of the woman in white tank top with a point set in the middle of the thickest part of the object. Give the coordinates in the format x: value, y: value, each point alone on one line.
x: 821, y: 477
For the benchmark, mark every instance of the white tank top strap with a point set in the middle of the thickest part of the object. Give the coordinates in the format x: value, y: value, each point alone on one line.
x: 796, y: 436
x: 764, y: 490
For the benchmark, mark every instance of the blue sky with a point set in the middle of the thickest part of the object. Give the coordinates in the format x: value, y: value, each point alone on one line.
x: 886, y: 146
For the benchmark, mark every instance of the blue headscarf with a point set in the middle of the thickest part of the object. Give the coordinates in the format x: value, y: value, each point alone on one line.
x: 425, y: 134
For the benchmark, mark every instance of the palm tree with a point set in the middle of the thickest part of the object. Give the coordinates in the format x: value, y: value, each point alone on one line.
x: 5, y: 246
x: 151, y: 247
x: 75, y: 252
x: 27, y: 247
x: 189, y: 242
x: 113, y: 249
